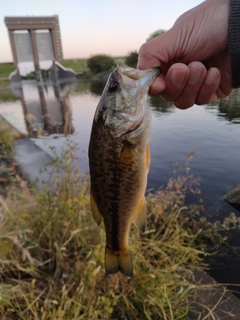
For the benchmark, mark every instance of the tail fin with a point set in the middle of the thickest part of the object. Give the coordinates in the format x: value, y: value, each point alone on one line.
x: 115, y: 263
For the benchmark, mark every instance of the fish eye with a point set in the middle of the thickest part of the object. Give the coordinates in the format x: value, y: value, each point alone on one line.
x: 113, y: 86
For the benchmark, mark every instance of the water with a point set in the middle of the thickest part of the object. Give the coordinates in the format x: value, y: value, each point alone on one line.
x: 211, y: 131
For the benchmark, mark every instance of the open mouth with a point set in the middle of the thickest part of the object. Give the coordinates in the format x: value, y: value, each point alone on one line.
x: 137, y: 74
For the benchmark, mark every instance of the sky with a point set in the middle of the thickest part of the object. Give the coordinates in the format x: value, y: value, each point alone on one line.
x: 88, y: 27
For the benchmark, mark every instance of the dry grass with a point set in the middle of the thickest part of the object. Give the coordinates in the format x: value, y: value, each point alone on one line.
x: 52, y: 254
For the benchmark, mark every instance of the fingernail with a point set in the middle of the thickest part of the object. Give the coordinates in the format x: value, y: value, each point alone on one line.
x: 212, y: 76
x: 194, y: 77
x: 178, y: 77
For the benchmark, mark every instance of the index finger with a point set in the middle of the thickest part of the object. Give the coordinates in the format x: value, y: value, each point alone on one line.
x: 146, y: 57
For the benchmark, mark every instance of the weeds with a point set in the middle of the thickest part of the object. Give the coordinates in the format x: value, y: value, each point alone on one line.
x: 52, y: 253
x: 9, y: 172
x: 7, y: 138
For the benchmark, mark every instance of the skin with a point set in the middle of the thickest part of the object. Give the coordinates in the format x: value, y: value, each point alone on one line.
x: 193, y: 56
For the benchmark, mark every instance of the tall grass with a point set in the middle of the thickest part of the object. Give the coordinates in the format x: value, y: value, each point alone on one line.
x: 52, y: 253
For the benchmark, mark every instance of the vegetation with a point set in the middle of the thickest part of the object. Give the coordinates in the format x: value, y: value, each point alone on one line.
x: 6, y: 69
x: 9, y: 173
x: 52, y: 252
x: 156, y: 34
x: 100, y: 63
x: 78, y: 65
x: 30, y: 76
x: 131, y: 59
x: 6, y: 137
x: 6, y: 94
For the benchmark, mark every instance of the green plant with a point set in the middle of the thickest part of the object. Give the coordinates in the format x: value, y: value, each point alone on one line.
x: 131, y: 59
x: 100, y: 63
x: 6, y: 137
x: 156, y: 34
x: 6, y: 69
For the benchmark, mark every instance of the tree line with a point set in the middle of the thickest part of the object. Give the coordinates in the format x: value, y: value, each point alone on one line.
x: 103, y: 63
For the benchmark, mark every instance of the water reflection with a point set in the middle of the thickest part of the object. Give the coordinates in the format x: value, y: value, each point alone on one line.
x: 229, y: 108
x: 46, y: 109
x: 97, y: 86
x: 161, y: 106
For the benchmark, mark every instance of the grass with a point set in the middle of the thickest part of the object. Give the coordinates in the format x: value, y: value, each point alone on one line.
x: 6, y: 69
x: 7, y: 137
x: 52, y: 252
x: 6, y: 94
x: 9, y: 172
x: 78, y: 65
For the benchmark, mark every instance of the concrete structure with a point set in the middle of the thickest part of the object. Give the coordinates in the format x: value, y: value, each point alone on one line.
x: 34, y: 39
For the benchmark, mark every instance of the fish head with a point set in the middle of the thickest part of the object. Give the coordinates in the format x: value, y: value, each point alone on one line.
x: 123, y: 107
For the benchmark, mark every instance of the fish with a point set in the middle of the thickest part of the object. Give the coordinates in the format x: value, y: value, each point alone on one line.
x: 119, y: 159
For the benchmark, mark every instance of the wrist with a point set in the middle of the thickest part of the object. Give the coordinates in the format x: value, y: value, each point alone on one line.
x: 234, y: 41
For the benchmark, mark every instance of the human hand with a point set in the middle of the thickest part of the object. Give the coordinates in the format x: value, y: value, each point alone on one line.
x: 193, y: 56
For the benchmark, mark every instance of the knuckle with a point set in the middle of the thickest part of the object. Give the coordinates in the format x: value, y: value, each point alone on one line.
x: 143, y: 51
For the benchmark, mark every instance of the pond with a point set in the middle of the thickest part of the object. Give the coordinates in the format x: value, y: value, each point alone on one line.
x: 211, y: 132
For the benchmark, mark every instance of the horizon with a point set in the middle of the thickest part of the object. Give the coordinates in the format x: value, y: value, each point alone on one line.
x: 97, y: 27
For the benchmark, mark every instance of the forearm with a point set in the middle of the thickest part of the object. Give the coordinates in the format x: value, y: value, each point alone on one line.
x: 234, y: 41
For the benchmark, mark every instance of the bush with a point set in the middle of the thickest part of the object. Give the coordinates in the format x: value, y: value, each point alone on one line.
x: 100, y: 63
x: 131, y: 59
x: 155, y: 34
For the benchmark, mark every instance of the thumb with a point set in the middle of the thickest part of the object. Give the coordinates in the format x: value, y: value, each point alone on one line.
x: 155, y: 52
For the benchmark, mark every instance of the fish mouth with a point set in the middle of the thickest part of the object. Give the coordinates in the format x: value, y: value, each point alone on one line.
x: 145, y: 77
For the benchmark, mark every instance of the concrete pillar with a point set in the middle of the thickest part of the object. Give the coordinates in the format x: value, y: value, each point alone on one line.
x: 14, y: 52
x: 35, y: 55
x: 55, y: 51
x: 44, y: 108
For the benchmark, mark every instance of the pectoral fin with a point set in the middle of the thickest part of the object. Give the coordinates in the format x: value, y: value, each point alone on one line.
x: 95, y: 212
x: 141, y: 219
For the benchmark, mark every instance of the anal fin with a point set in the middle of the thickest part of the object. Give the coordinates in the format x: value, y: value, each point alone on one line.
x: 141, y: 218
x: 95, y: 212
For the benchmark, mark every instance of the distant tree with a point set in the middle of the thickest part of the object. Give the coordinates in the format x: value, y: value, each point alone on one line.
x: 131, y: 59
x: 156, y: 34
x: 100, y: 63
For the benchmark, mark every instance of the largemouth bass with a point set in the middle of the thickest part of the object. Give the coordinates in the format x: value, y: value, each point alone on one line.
x: 119, y: 158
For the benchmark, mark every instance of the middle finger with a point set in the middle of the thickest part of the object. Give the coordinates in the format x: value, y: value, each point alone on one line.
x: 197, y: 74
